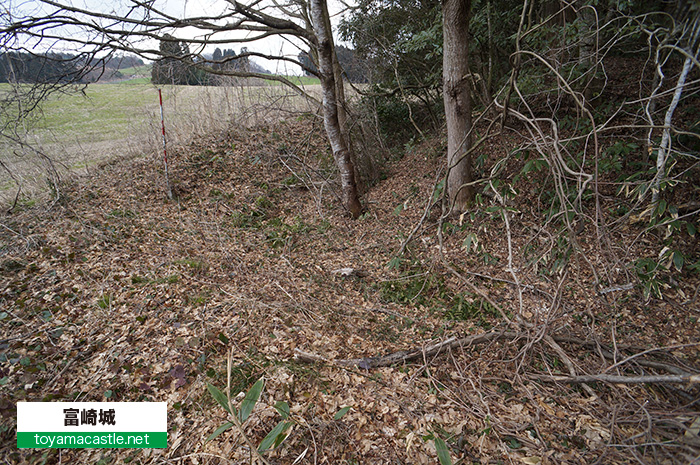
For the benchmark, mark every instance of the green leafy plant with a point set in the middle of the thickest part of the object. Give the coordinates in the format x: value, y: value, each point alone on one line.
x: 279, y: 234
x: 439, y: 189
x: 673, y: 257
x: 122, y: 214
x: 471, y: 241
x: 466, y: 307
x: 531, y: 166
x: 611, y: 161
x: 238, y: 417
x: 441, y: 447
x: 105, y: 302
x: 414, y: 289
x: 249, y: 217
x: 341, y: 413
x: 443, y: 452
x: 279, y: 433
x: 395, y: 263
x: 647, y: 270
x: 193, y: 264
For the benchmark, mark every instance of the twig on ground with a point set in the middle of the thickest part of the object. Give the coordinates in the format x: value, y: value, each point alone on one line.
x: 605, y: 353
x: 567, y: 361
x: 631, y: 357
x: 624, y: 287
x: 368, y: 363
x: 617, y: 379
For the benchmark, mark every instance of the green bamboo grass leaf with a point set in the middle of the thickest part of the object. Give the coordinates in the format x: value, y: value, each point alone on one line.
x: 220, y: 430
x: 443, y: 452
x: 218, y: 396
x: 251, y: 398
x: 283, y: 409
x: 341, y: 413
x: 275, y: 437
x: 678, y: 261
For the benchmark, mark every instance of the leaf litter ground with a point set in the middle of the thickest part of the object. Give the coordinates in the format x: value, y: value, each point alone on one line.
x: 119, y: 294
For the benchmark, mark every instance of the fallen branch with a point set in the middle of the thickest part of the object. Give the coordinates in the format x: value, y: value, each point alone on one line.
x: 567, y: 361
x: 368, y: 363
x: 624, y: 287
x: 615, y: 379
x: 605, y: 351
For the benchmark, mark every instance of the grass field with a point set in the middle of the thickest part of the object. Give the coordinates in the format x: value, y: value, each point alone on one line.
x: 144, y: 70
x: 302, y: 81
x: 104, y: 112
x: 109, y: 121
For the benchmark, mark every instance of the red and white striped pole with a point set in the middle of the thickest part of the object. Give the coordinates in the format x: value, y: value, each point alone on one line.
x: 165, y: 151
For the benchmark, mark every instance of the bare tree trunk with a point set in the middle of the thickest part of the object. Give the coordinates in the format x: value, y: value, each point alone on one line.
x: 588, y: 49
x: 341, y: 103
x: 492, y: 52
x: 341, y: 152
x: 337, y: 75
x: 340, y: 97
x: 457, y: 98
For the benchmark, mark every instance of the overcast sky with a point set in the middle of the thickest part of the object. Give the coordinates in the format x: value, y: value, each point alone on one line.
x: 271, y: 46
x: 182, y: 9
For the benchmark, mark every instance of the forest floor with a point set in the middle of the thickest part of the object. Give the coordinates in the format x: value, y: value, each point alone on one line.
x: 117, y: 293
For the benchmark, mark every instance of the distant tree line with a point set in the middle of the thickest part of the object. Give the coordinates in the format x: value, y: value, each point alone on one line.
x: 25, y: 67
x: 176, y: 66
x: 123, y: 61
x: 60, y: 67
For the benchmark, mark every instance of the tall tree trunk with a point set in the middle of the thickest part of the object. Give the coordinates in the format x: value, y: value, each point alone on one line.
x: 588, y: 59
x: 341, y: 152
x: 492, y: 52
x: 457, y: 98
x: 341, y: 103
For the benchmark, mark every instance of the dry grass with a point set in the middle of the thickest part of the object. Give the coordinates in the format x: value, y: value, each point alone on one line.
x: 109, y: 122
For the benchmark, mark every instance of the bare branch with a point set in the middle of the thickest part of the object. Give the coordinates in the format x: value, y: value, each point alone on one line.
x: 615, y: 379
x: 368, y: 363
